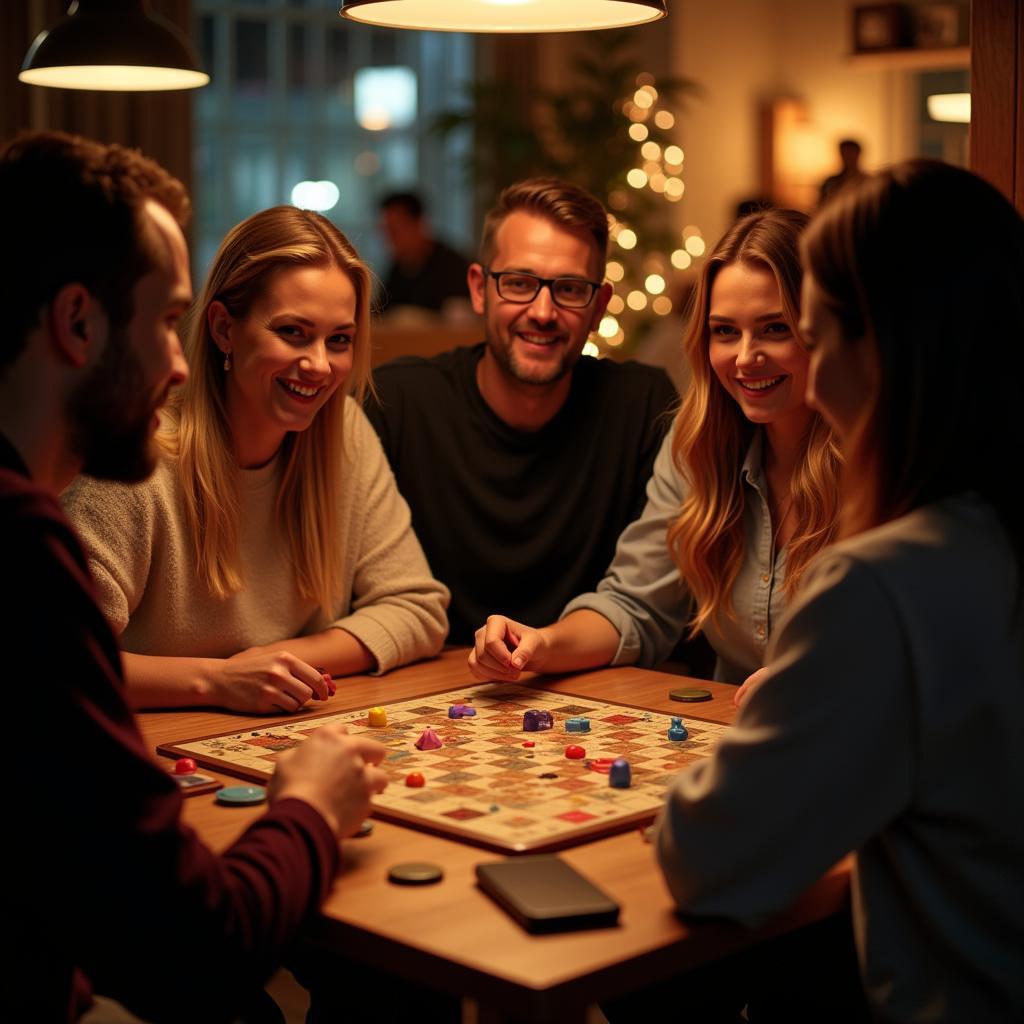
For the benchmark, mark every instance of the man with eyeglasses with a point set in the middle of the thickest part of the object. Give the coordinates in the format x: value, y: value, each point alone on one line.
x: 522, y: 462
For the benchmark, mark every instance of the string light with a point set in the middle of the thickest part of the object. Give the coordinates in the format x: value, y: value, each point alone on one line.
x: 655, y: 284
x: 638, y: 132
x: 627, y: 238
x: 664, y: 119
x: 614, y: 271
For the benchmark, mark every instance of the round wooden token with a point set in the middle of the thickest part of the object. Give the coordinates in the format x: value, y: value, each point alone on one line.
x: 241, y: 796
x: 690, y: 694
x: 415, y: 873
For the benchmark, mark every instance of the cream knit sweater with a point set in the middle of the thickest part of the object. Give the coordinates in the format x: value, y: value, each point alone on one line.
x: 143, y: 562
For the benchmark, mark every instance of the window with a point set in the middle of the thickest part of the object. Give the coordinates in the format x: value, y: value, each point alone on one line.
x: 281, y: 109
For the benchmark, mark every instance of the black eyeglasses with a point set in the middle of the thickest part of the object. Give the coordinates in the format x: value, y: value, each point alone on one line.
x: 568, y: 292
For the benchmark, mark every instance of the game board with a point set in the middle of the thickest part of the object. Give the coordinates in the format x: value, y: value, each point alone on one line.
x: 483, y: 786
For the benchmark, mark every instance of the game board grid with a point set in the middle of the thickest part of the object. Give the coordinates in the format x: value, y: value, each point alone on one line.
x: 483, y: 785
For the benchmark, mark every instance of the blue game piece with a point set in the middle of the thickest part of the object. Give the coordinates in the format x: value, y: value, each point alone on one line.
x: 242, y: 795
x: 461, y: 711
x: 677, y: 731
x: 537, y: 721
x: 577, y: 725
x: 619, y: 775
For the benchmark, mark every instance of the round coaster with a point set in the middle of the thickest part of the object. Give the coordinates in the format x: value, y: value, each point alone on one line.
x: 241, y: 795
x: 690, y: 694
x: 415, y: 873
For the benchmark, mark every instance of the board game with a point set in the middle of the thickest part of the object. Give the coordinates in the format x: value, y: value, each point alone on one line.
x: 491, y: 783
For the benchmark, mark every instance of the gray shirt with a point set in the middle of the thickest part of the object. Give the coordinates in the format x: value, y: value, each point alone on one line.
x: 644, y: 598
x: 892, y: 724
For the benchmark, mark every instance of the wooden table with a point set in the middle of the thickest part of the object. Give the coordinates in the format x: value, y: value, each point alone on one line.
x: 451, y: 935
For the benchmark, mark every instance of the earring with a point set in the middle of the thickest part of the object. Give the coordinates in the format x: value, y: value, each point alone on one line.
x: 759, y: 359
x: 227, y: 360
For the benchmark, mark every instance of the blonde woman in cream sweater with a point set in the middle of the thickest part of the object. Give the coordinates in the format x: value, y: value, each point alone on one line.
x: 271, y: 549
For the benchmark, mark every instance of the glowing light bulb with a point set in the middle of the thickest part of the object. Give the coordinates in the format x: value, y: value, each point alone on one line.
x: 655, y: 284
x: 681, y: 259
x: 637, y: 178
x: 636, y: 300
x: 638, y: 132
x: 614, y: 270
x: 664, y: 119
x: 627, y: 238
x: 673, y: 155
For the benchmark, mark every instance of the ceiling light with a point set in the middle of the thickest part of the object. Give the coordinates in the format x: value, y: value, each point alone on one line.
x: 504, y: 15
x: 113, y: 46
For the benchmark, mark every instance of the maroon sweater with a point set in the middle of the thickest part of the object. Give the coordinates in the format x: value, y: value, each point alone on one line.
x: 105, y: 887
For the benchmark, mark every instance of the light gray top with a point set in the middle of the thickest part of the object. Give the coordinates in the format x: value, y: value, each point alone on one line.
x: 891, y: 724
x: 644, y: 598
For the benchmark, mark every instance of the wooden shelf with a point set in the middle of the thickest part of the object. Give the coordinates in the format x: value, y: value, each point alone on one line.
x: 910, y: 59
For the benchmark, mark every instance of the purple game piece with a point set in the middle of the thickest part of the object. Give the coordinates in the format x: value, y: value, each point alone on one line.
x: 537, y: 721
x: 619, y: 775
x: 429, y: 740
x: 461, y: 711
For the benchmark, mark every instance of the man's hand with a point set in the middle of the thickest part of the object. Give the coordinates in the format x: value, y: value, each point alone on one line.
x: 335, y: 773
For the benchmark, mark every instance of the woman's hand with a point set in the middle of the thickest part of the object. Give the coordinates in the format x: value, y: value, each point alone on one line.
x: 505, y: 648
x: 263, y: 682
x: 747, y: 687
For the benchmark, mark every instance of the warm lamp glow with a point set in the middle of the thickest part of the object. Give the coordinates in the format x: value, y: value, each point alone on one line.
x: 504, y: 15
x: 950, y: 106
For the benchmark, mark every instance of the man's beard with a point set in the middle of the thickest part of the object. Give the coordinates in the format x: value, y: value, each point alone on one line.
x: 506, y: 357
x: 110, y: 415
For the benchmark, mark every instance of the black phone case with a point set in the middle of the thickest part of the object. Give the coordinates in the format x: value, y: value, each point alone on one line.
x: 545, y: 894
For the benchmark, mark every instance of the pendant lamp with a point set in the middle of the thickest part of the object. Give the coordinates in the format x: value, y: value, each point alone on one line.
x: 113, y: 46
x: 504, y: 15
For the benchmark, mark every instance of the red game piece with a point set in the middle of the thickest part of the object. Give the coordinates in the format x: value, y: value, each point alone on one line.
x: 415, y: 780
x: 184, y: 766
x: 529, y: 743
x: 574, y: 752
x: 602, y: 764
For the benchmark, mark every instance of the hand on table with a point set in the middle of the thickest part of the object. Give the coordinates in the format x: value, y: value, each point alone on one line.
x: 262, y: 682
x: 505, y: 648
x: 747, y: 687
x: 335, y: 773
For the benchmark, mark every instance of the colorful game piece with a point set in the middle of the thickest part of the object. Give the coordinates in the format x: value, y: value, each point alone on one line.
x: 577, y: 725
x: 493, y: 808
x: 415, y: 780
x: 461, y: 711
x: 575, y: 753
x: 529, y: 743
x: 537, y: 721
x: 620, y: 776
x: 600, y: 764
x: 377, y: 718
x: 429, y: 740
x: 241, y: 796
x: 677, y: 731
x: 549, y: 775
x: 690, y: 694
x: 364, y: 830
x: 415, y: 873
x: 184, y: 766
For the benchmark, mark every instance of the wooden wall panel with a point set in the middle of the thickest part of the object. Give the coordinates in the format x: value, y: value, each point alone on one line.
x: 997, y: 103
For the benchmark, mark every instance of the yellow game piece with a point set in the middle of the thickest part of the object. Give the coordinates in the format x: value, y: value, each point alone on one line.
x: 378, y: 718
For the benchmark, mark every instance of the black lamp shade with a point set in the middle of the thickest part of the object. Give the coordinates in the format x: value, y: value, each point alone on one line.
x: 113, y: 45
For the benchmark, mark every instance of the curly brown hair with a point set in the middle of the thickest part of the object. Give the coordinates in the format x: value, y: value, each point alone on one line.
x: 72, y: 212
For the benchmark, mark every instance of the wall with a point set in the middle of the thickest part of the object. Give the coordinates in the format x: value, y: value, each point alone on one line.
x: 748, y: 51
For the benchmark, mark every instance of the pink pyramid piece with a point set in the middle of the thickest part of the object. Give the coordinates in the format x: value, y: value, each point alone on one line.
x: 429, y: 740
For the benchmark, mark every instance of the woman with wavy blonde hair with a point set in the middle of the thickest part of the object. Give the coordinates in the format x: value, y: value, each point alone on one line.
x: 271, y: 538
x: 744, y: 492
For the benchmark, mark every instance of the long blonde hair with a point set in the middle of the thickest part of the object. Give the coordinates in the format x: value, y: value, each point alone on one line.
x: 199, y: 435
x: 711, y: 435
